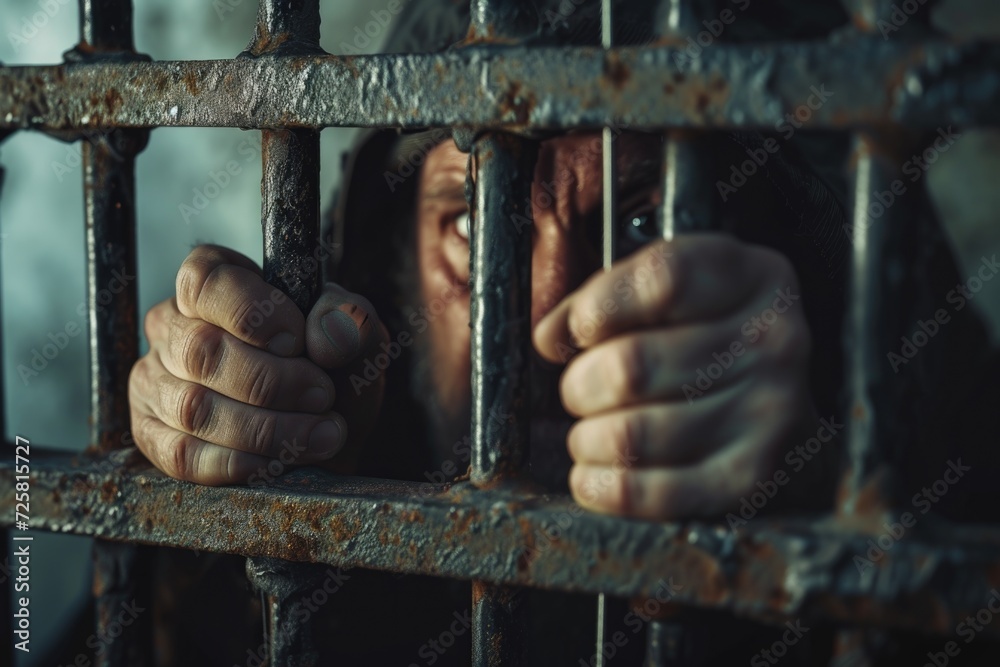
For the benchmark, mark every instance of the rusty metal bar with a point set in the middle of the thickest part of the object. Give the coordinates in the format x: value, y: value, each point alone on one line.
x: 290, y: 228
x: 771, y: 569
x: 284, y: 584
x: 689, y: 203
x: 502, y: 168
x: 113, y: 331
x: 290, y: 213
x: 878, y: 279
x: 874, y: 81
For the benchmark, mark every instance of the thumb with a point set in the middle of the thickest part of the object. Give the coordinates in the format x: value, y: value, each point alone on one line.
x: 342, y: 331
x: 341, y: 327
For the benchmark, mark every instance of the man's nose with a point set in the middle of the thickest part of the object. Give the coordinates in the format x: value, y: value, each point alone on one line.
x: 563, y: 255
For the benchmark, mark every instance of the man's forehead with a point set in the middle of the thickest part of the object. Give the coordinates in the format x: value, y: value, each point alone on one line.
x: 638, y: 152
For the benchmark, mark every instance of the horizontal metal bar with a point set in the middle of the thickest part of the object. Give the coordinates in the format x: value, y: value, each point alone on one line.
x: 849, y: 84
x: 768, y: 569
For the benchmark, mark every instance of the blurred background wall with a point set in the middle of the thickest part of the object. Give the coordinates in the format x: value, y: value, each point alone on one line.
x: 42, y: 241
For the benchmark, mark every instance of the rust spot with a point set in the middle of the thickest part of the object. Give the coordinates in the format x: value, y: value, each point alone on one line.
x: 191, y: 81
x: 178, y: 497
x: 616, y: 71
x: 109, y: 491
x: 412, y: 516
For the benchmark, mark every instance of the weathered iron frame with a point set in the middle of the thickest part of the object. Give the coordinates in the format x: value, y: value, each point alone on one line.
x: 487, y: 530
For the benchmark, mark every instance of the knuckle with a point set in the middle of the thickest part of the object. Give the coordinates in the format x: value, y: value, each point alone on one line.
x: 264, y: 386
x: 200, y: 350
x: 181, y: 457
x: 193, y: 407
x: 581, y: 319
x: 627, y: 371
x: 261, y: 434
x: 192, y: 277
x: 626, y: 439
x: 245, y: 319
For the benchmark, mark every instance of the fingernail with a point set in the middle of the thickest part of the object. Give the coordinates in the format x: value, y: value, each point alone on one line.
x: 283, y: 344
x: 342, y: 332
x: 325, y: 439
x: 315, y: 399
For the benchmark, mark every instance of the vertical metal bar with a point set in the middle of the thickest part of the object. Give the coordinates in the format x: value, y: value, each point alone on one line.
x: 284, y: 585
x: 874, y: 311
x: 609, y: 213
x: 689, y: 204
x: 502, y: 169
x: 290, y: 213
x: 113, y: 331
x: 501, y: 328
x: 290, y: 229
x: 689, y: 201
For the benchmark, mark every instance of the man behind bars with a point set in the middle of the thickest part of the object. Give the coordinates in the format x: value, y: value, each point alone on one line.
x: 696, y: 375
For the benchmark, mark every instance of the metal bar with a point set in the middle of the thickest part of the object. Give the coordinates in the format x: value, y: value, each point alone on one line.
x: 290, y: 226
x: 113, y: 330
x: 609, y: 242
x: 284, y: 584
x: 689, y: 204
x: 876, y: 282
x: 502, y: 168
x: 770, y: 569
x: 872, y: 81
x: 290, y: 213
x: 501, y: 307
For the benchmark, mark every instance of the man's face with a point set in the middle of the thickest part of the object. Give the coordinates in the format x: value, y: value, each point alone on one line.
x: 566, y: 202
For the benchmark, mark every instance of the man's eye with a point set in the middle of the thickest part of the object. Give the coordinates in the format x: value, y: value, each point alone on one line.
x: 641, y: 227
x: 462, y: 225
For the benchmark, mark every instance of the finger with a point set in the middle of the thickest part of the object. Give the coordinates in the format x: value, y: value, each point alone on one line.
x: 706, y: 489
x: 203, y: 353
x: 661, y: 434
x: 340, y: 327
x: 664, y: 364
x: 185, y: 457
x: 217, y: 285
x: 194, y: 409
x: 694, y: 278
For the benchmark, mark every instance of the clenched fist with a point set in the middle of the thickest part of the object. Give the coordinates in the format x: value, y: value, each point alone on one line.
x: 688, y: 366
x: 238, y: 385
